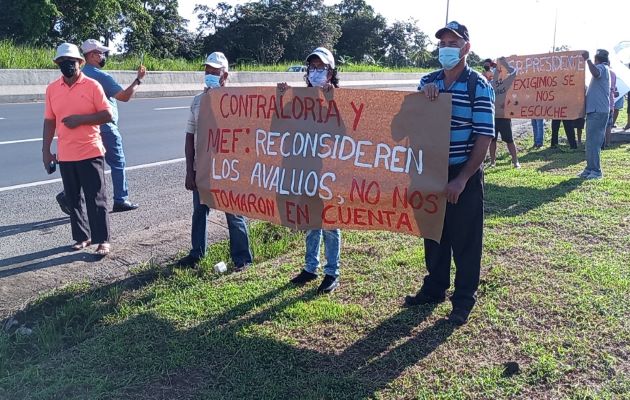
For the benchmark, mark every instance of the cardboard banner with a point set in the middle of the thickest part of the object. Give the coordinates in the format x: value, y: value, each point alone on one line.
x: 308, y: 159
x: 546, y: 86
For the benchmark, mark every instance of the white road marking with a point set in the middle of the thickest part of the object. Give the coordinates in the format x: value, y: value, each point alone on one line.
x: 170, y: 108
x: 40, y: 183
x: 2, y: 118
x: 24, y: 141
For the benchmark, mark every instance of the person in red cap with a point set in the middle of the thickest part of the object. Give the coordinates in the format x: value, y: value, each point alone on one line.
x: 472, y: 130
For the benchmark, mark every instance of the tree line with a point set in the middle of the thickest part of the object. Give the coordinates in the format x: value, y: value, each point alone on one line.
x: 262, y: 32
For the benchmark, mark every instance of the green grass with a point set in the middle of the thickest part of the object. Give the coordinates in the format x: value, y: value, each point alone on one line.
x: 25, y: 57
x: 553, y: 299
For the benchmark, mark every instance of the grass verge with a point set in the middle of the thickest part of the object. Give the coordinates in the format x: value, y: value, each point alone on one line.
x: 25, y: 57
x: 551, y: 319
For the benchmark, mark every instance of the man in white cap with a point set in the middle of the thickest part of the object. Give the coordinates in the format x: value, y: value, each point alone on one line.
x: 75, y: 108
x: 95, y: 58
x: 216, y: 73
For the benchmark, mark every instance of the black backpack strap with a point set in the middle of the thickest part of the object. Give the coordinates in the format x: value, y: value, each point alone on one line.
x: 473, y: 77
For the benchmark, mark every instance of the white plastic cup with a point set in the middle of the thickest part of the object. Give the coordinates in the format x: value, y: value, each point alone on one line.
x: 220, y: 267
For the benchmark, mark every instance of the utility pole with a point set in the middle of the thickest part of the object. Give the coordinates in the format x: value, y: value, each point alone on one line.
x: 447, y: 4
x: 555, y: 26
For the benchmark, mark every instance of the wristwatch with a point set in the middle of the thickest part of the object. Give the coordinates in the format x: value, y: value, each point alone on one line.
x: 138, y: 81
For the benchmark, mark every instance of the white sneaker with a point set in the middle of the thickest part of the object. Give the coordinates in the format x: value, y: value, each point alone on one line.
x: 517, y: 165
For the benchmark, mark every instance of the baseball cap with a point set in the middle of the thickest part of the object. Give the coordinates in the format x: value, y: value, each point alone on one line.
x: 217, y: 60
x: 68, y: 50
x: 93, y: 44
x: 602, y: 53
x: 455, y: 27
x: 325, y: 55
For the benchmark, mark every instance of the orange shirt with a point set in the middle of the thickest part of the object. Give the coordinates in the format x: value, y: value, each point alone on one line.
x: 85, y: 96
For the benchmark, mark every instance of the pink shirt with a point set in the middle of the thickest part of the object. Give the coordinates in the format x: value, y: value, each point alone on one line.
x: 85, y: 96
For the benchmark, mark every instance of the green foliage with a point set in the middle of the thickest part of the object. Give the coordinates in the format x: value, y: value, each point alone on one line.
x: 29, y: 22
x: 255, y: 32
x: 80, y: 20
x: 362, y: 31
x: 406, y: 44
x: 25, y: 57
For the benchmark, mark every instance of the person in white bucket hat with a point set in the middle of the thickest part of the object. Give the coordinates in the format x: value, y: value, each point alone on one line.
x: 75, y: 108
x: 96, y: 57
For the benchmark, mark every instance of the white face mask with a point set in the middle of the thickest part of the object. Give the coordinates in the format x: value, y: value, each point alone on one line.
x: 318, y: 78
x: 212, y: 81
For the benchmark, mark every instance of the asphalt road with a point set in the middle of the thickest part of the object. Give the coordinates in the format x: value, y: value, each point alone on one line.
x: 35, y: 234
x: 152, y: 129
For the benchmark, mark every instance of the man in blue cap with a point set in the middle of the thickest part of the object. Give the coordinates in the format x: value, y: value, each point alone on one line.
x: 472, y: 130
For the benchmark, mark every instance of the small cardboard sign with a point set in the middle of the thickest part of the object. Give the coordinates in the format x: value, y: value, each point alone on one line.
x: 544, y: 86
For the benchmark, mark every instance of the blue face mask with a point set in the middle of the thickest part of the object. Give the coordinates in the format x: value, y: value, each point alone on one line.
x: 449, y: 57
x: 318, y: 78
x: 212, y: 81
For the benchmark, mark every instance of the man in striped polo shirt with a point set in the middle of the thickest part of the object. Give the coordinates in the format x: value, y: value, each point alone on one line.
x: 472, y: 130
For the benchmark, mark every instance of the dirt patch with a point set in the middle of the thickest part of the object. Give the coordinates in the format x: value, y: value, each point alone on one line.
x: 23, y: 283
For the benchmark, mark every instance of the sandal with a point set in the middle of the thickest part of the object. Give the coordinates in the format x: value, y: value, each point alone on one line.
x: 103, y: 249
x: 81, y: 245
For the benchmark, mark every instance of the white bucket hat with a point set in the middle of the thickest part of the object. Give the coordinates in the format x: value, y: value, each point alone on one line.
x: 68, y: 50
x: 325, y: 55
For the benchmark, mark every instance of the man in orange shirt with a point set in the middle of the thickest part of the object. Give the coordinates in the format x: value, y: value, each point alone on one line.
x: 75, y: 108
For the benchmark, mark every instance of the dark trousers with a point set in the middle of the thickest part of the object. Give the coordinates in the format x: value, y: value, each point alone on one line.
x: 86, y: 175
x: 568, y: 129
x: 462, y: 240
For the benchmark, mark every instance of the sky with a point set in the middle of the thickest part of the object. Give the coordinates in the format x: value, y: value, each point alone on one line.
x: 507, y: 27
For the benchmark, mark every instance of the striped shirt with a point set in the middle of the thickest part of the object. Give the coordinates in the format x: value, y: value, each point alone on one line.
x: 466, y: 122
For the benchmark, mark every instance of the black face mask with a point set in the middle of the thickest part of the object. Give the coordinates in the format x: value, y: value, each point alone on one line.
x: 486, y: 67
x: 68, y: 68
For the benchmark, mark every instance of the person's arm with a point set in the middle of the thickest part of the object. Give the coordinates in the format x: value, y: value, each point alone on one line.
x: 189, y: 150
x: 591, y: 67
x: 189, y: 144
x: 47, y: 135
x: 510, y: 70
x: 483, y: 128
x: 456, y: 186
x: 97, y: 118
x: 127, y: 94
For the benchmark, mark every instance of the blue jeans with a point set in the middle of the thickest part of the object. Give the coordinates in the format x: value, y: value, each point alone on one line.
x: 115, y: 158
x: 237, y: 228
x: 332, y: 241
x: 595, y: 131
x: 538, y: 126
